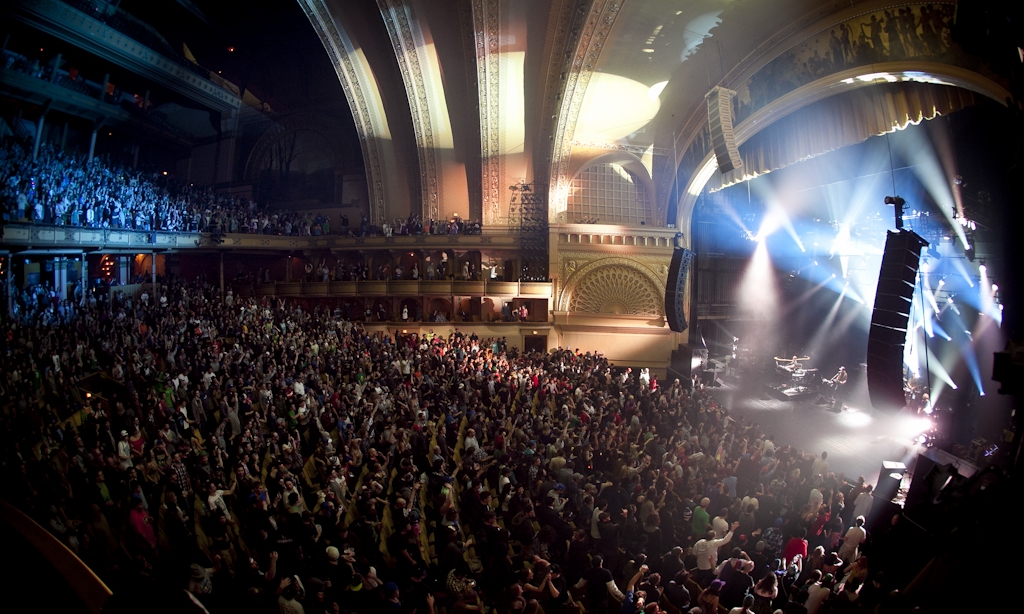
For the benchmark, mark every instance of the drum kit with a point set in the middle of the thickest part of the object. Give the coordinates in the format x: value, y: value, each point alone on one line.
x: 800, y: 376
x: 793, y: 367
x: 801, y: 382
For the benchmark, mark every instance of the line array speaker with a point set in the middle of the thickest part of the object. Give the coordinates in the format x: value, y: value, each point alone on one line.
x: 687, y: 360
x: 675, y: 291
x: 723, y: 141
x: 888, y: 333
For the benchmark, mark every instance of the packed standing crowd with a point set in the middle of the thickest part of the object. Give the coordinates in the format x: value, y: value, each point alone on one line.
x: 256, y: 453
x: 414, y: 225
x: 60, y: 188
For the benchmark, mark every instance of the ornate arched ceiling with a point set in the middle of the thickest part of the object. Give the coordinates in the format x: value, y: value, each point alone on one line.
x: 455, y: 100
x: 388, y: 186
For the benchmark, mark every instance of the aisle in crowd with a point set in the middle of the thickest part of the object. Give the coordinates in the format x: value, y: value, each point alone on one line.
x: 266, y: 456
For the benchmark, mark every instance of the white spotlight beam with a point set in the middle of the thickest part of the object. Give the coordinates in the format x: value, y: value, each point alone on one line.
x: 925, y: 164
x: 938, y: 370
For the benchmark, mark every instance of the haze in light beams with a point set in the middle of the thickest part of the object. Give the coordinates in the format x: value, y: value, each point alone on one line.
x: 758, y: 292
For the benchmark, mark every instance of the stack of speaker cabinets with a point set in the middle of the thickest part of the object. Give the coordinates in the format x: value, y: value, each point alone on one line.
x: 888, y: 333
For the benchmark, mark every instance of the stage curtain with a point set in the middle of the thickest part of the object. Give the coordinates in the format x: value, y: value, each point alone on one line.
x: 842, y: 120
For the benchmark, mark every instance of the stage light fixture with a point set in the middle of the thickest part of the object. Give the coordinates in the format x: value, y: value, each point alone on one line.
x: 897, y: 204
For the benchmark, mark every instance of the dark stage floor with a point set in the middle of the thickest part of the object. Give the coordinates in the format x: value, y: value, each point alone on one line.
x: 857, y: 440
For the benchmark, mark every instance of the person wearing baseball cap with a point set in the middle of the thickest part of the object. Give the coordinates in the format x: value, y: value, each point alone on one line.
x: 124, y: 451
x: 389, y: 598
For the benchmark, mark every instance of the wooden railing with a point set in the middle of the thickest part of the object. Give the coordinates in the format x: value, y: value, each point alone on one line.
x: 404, y: 287
x: 43, y: 236
x: 85, y: 584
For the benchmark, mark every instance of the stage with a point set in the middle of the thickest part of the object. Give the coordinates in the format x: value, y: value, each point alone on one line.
x: 857, y: 439
x: 790, y: 393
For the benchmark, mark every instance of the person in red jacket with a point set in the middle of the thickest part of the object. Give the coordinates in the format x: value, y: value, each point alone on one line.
x: 796, y: 545
x: 142, y: 523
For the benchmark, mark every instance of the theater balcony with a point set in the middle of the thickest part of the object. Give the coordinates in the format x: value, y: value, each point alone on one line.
x: 400, y: 288
x: 126, y: 261
x: 115, y: 36
x: 43, y: 236
x: 21, y: 235
x: 55, y: 92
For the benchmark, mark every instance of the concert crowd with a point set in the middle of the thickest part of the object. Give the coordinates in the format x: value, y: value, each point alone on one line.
x: 266, y: 455
x: 60, y: 188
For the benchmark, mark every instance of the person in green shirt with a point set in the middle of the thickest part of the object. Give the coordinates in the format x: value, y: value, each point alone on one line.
x: 103, y: 493
x: 700, y: 517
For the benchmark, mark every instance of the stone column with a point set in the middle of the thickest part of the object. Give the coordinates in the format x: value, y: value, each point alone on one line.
x: 96, y: 127
x: 39, y: 136
x: 60, y: 277
x: 368, y: 262
x: 56, y: 65
x: 92, y: 145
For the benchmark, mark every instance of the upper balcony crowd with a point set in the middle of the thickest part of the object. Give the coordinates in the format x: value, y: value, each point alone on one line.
x: 61, y: 188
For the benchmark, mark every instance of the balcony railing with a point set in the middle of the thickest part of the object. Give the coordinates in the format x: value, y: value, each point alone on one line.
x: 510, y: 289
x: 45, y: 235
x: 104, y: 34
x: 586, y: 235
x: 72, y: 585
x: 116, y: 18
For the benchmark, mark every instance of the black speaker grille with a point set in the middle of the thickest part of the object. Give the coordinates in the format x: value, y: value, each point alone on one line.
x: 888, y: 333
x: 675, y: 291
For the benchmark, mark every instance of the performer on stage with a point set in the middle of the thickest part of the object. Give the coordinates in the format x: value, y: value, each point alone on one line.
x: 839, y: 379
x: 838, y: 383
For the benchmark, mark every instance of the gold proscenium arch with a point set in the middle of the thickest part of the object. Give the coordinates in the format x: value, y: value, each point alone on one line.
x: 826, y: 87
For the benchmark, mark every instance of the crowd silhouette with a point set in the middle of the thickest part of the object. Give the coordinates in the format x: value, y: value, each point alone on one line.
x: 260, y: 453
